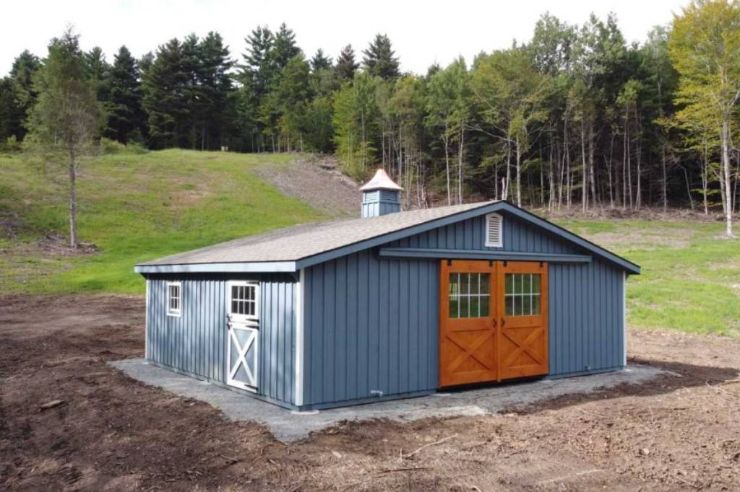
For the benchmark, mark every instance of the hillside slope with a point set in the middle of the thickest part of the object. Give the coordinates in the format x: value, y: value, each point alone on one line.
x: 134, y: 207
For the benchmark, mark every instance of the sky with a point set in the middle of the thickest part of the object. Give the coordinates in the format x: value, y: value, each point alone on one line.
x: 422, y: 33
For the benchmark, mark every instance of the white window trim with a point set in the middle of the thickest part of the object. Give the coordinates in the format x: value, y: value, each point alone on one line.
x: 174, y: 312
x: 244, y: 317
x: 500, y: 243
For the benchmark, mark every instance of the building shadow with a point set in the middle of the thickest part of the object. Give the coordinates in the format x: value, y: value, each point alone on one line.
x: 674, y: 376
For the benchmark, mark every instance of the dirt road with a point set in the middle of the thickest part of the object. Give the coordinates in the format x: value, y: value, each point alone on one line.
x: 679, y: 432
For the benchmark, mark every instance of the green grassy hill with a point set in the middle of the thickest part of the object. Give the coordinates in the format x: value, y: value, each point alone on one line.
x: 132, y: 207
x: 135, y: 207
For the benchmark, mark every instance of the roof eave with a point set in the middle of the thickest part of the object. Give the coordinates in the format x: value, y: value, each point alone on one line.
x: 227, y: 267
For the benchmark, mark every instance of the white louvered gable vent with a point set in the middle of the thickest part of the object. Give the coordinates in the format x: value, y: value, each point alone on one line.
x: 494, y: 231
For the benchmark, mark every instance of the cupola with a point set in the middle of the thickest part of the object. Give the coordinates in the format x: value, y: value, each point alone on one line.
x: 380, y: 196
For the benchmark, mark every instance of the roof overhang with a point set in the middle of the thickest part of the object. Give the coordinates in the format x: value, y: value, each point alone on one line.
x: 243, y: 267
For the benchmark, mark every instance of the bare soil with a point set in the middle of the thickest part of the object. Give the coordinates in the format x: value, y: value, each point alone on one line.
x: 70, y: 421
x: 316, y: 180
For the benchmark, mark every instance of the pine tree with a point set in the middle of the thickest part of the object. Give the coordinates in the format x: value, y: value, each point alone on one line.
x: 258, y: 71
x: 165, y: 99
x: 97, y: 70
x: 18, y: 96
x: 284, y: 48
x: 215, y: 85
x: 125, y: 114
x: 320, y: 61
x: 346, y: 65
x: 9, y: 112
x: 380, y: 59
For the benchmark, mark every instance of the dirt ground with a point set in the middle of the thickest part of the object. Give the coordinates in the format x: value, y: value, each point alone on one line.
x: 678, y: 432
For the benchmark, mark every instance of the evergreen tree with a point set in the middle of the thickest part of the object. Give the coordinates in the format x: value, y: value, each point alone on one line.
x: 215, y: 85
x: 320, y: 61
x: 284, y: 48
x: 17, y: 96
x: 10, y: 120
x: 258, y: 71
x: 126, y: 120
x: 380, y: 59
x: 97, y: 70
x: 255, y: 77
x: 166, y: 94
x: 346, y: 65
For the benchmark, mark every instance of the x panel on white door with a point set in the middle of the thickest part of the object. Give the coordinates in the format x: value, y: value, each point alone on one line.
x: 242, y: 349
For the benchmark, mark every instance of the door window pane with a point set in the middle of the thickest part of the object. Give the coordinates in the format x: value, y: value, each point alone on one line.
x: 522, y: 295
x: 469, y: 295
x: 244, y: 300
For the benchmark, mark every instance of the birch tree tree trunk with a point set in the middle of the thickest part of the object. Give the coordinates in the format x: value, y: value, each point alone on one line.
x: 727, y: 177
x: 72, y: 199
x: 460, y: 172
x: 518, y: 174
x: 446, y: 142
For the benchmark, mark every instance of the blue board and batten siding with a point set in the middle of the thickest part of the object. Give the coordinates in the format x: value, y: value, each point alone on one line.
x: 194, y: 343
x: 371, y: 323
x: 370, y: 328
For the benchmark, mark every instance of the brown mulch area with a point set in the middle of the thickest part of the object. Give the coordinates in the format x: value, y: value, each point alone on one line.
x: 70, y: 421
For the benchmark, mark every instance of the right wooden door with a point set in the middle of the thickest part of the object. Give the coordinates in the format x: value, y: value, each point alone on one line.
x: 522, y: 336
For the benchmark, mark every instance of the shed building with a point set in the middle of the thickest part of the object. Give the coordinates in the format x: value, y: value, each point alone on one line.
x: 390, y: 305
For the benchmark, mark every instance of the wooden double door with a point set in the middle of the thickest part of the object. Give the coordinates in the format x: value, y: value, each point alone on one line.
x: 493, y: 321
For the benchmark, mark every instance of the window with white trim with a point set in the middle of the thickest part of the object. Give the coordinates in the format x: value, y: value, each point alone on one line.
x: 174, y: 298
x: 244, y: 300
x: 494, y: 231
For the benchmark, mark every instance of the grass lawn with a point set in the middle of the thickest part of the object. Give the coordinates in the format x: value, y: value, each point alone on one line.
x: 690, y: 277
x: 135, y: 207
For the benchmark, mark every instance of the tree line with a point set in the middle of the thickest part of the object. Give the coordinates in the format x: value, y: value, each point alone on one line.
x: 576, y: 118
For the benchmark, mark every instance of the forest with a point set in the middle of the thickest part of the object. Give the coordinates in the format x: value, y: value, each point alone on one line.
x: 574, y: 118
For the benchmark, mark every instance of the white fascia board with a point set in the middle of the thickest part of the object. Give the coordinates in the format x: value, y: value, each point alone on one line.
x: 252, y: 267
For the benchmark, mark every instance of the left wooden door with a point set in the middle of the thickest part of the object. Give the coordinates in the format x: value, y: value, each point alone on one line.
x: 467, y: 322
x: 242, y: 347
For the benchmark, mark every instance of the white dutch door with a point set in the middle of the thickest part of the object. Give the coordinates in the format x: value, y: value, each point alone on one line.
x: 242, y: 349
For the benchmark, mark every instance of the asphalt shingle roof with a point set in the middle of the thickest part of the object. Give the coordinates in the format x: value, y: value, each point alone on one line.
x: 295, y: 243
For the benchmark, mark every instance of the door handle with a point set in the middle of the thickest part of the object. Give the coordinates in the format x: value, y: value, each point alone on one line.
x: 494, y: 322
x: 503, y: 322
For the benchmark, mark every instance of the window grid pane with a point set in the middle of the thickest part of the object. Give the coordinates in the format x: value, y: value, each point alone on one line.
x: 469, y: 295
x: 244, y: 300
x: 522, y: 294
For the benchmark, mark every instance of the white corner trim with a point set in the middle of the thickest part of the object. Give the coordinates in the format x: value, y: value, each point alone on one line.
x: 624, y: 318
x: 146, y: 321
x: 299, y: 341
